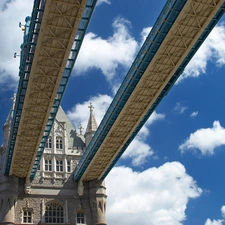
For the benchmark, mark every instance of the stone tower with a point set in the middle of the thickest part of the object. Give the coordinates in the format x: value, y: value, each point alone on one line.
x: 53, y: 197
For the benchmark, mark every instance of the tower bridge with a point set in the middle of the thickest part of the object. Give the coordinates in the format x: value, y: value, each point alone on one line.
x: 52, y: 39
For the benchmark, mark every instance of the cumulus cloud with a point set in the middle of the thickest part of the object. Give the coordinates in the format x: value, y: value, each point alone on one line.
x: 159, y: 195
x: 214, y: 222
x: 212, y: 50
x: 194, y: 114
x: 205, y: 139
x: 107, y: 54
x: 179, y: 109
x: 145, y: 32
x: 139, y: 150
x: 154, y: 117
x: 103, y: 1
x: 223, y: 211
x: 219, y: 221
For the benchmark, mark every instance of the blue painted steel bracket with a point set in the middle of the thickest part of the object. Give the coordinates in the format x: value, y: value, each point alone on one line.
x: 147, y: 52
x: 86, y: 17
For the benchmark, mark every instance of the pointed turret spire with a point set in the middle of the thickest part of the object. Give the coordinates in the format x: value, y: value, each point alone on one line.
x: 7, y: 124
x: 91, y: 126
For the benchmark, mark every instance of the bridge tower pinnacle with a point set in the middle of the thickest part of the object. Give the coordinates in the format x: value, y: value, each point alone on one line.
x: 91, y: 126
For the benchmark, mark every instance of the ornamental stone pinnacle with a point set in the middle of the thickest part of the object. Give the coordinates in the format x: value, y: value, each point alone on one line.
x: 91, y: 126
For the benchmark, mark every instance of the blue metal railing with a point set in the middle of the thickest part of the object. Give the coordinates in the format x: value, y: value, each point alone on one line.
x: 88, y: 11
x: 147, y: 52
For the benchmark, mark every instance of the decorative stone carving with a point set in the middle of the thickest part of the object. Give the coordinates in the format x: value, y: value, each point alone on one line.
x: 69, y: 158
x: 74, y: 164
x: 27, y: 204
x: 59, y: 157
x: 27, y: 188
x: 59, y: 130
x: 48, y: 157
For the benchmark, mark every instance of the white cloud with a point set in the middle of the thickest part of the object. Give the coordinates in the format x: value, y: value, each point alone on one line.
x: 107, y: 55
x: 194, y: 114
x: 154, y: 117
x: 156, y: 195
x: 139, y: 150
x: 179, y: 109
x: 12, y: 12
x: 205, y: 139
x: 223, y: 211
x: 213, y: 49
x: 214, y: 222
x: 103, y: 1
x: 145, y: 32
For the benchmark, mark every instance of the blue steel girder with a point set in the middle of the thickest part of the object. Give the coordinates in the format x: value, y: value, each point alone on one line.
x: 149, y: 49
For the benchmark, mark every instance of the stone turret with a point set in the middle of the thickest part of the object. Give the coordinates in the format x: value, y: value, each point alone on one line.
x: 95, y: 189
x: 91, y: 126
x: 9, y: 185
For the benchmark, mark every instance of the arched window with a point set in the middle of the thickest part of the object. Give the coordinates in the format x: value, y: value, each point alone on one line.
x: 54, y: 213
x: 49, y: 143
x: 59, y: 143
x: 80, y: 218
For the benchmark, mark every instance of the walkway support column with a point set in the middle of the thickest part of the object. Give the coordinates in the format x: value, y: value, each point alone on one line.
x: 98, y: 197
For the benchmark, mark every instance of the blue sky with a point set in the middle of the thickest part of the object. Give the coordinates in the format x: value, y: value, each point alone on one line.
x: 173, y: 172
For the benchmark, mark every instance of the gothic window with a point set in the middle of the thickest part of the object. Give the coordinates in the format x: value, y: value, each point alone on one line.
x: 39, y: 167
x: 80, y: 218
x: 59, y: 165
x: 59, y: 143
x: 27, y: 216
x: 49, y: 143
x: 68, y: 166
x: 53, y: 213
x: 48, y: 165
